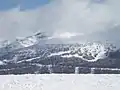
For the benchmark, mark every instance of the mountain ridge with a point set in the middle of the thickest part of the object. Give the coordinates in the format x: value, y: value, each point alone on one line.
x: 32, y: 56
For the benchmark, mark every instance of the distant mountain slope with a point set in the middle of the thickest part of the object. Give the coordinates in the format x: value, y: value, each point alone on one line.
x: 32, y: 53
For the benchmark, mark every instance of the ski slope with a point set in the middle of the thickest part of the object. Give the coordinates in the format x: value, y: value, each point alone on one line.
x: 60, y: 82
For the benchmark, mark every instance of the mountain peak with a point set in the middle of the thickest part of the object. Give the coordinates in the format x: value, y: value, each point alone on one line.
x: 4, y: 43
x: 22, y: 42
x: 31, y: 40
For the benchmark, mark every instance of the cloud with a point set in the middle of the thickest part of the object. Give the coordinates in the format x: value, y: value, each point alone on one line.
x: 65, y: 35
x: 60, y: 16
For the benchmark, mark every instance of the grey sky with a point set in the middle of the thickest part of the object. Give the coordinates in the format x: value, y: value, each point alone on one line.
x: 84, y: 17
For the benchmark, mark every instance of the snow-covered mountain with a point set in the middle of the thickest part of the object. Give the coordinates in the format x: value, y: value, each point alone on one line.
x: 32, y: 53
x: 90, y: 52
x: 31, y: 40
x: 6, y: 46
x: 4, y: 43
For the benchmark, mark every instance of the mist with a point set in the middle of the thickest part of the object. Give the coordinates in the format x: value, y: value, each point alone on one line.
x: 80, y: 19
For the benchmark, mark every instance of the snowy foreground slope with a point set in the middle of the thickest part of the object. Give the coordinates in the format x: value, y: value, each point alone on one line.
x: 60, y: 82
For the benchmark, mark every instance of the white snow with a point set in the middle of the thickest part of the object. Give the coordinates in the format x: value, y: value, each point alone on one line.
x: 28, y: 59
x: 2, y: 63
x: 112, y: 69
x: 59, y: 53
x: 28, y: 41
x: 4, y: 43
x: 31, y: 40
x: 60, y: 82
x: 77, y: 56
x: 95, y: 50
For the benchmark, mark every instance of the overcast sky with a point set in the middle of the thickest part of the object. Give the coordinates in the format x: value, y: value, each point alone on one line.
x: 78, y: 19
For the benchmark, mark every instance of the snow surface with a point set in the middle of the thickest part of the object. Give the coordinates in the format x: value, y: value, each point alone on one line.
x: 95, y: 50
x: 27, y: 60
x: 60, y: 82
x: 28, y: 41
x: 4, y: 43
x: 2, y: 63
x: 77, y: 56
x: 59, y: 53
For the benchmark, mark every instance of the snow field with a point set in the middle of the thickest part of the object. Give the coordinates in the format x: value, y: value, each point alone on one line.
x: 60, y: 82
